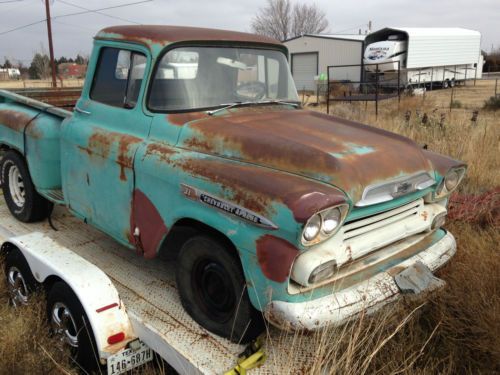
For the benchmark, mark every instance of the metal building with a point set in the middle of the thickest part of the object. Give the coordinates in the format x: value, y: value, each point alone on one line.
x: 310, y: 54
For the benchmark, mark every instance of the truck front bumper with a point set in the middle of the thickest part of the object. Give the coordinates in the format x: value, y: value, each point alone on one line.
x: 367, y: 296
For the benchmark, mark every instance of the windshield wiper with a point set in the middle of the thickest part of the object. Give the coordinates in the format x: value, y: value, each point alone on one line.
x: 237, y: 104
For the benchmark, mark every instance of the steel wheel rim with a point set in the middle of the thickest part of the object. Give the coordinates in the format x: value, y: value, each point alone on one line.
x: 63, y: 325
x: 213, y: 289
x: 16, y: 186
x: 18, y: 289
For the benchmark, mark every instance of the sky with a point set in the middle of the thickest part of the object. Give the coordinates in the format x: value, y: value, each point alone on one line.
x: 73, y: 34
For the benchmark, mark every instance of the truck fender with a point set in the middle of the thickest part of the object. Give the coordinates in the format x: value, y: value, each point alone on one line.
x: 97, y: 294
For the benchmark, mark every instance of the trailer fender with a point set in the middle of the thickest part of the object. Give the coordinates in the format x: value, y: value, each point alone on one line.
x: 100, y: 300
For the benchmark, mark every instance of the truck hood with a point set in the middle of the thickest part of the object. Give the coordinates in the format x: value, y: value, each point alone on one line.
x: 346, y: 154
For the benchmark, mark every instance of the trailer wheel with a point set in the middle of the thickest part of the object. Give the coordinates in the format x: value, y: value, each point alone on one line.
x: 23, y: 201
x: 452, y: 82
x: 70, y: 325
x: 212, y: 290
x: 446, y: 84
x: 20, y: 281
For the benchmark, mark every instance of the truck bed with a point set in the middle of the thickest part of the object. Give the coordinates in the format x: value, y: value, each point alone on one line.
x: 147, y: 287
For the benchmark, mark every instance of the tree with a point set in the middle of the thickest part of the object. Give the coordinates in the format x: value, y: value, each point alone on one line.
x: 7, y: 64
x: 40, y: 67
x: 79, y: 60
x: 280, y: 19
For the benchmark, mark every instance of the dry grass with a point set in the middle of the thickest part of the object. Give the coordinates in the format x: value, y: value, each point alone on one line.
x: 39, y: 83
x: 457, y: 331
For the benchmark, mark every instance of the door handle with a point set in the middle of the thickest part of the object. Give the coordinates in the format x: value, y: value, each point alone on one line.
x: 79, y: 110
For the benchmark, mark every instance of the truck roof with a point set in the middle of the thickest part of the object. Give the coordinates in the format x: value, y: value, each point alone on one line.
x: 157, y: 36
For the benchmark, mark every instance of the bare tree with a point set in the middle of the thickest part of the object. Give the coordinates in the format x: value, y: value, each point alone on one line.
x: 280, y: 19
x: 308, y: 19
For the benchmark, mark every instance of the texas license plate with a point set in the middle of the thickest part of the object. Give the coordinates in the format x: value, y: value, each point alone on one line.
x: 128, y: 359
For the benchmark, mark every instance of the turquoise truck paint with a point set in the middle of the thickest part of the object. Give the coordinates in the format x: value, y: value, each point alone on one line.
x: 123, y: 170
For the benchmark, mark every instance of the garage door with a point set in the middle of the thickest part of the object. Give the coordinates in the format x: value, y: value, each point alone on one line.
x: 304, y: 68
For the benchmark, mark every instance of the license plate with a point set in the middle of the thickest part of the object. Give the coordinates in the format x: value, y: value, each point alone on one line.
x: 128, y: 359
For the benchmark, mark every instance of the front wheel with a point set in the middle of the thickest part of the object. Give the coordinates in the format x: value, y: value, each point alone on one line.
x: 213, y: 291
x: 23, y: 200
x: 70, y: 325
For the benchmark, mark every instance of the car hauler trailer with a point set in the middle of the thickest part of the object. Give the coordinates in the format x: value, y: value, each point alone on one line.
x: 445, y: 56
x: 148, y: 294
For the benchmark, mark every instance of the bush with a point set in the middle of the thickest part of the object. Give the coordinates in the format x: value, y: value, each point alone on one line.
x: 456, y: 104
x: 493, y: 103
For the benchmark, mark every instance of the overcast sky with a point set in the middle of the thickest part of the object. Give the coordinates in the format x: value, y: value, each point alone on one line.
x: 74, y: 34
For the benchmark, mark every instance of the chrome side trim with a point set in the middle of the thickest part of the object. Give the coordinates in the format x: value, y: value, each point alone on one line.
x: 227, y: 207
x: 388, y: 190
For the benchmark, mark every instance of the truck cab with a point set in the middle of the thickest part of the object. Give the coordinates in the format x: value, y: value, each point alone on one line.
x: 303, y: 218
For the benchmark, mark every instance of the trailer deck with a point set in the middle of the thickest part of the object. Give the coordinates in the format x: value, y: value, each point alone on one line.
x: 148, y: 290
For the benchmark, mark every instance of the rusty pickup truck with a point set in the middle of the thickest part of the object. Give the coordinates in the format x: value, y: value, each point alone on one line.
x: 297, y: 216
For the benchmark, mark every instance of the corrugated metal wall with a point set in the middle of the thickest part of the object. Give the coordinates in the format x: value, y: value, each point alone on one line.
x: 331, y: 52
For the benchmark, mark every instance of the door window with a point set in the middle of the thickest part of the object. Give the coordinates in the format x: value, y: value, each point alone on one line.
x: 118, y: 77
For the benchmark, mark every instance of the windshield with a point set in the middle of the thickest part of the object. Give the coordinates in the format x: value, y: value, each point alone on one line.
x: 206, y: 77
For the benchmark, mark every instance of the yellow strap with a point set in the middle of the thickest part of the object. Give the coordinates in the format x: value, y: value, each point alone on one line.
x: 245, y: 364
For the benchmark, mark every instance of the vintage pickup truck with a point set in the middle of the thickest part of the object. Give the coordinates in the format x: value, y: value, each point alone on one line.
x: 303, y: 218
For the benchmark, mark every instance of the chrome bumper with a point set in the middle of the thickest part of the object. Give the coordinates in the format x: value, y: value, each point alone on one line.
x: 367, y: 296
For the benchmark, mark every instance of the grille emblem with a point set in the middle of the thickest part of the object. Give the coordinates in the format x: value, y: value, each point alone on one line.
x: 402, y: 188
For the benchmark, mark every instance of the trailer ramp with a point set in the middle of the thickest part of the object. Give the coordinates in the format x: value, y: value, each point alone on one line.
x: 147, y: 287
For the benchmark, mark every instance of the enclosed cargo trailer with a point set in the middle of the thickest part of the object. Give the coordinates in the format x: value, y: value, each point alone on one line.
x: 424, y: 55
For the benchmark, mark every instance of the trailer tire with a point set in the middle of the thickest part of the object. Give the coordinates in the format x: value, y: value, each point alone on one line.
x: 452, y: 82
x: 446, y: 84
x: 20, y: 280
x: 212, y: 290
x: 23, y: 201
x: 69, y: 323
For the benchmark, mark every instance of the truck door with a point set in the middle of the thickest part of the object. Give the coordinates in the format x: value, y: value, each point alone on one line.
x: 100, y: 141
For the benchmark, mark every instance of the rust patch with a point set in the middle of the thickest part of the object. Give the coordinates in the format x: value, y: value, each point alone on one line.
x: 424, y: 215
x: 14, y: 120
x: 162, y: 34
x: 101, y: 143
x: 441, y: 163
x: 161, y: 151
x: 257, y: 188
x: 147, y: 219
x: 180, y: 119
x: 275, y: 256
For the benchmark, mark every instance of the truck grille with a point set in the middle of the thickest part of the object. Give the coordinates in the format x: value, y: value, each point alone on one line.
x: 374, y: 232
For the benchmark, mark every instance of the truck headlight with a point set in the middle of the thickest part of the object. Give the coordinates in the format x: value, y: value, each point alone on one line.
x: 447, y: 184
x: 312, y: 228
x: 452, y: 179
x: 323, y: 224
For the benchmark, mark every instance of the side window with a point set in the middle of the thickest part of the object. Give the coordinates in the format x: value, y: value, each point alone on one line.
x: 118, y: 77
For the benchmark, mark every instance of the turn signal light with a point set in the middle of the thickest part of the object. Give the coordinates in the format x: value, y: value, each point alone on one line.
x: 116, y: 338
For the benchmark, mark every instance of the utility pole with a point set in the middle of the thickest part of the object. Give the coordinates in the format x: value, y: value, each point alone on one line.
x: 51, y: 47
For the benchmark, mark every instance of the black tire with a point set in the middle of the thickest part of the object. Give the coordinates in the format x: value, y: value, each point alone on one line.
x: 60, y: 299
x: 20, y: 280
x: 452, y: 82
x: 213, y: 290
x: 446, y: 84
x: 35, y: 207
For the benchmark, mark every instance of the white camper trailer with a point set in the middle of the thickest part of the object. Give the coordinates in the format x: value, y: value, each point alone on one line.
x: 423, y: 56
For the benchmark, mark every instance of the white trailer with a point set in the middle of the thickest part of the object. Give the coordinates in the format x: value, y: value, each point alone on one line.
x: 445, y: 56
x: 122, y: 292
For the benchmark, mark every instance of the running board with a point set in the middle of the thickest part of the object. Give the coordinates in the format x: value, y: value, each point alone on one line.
x: 55, y: 195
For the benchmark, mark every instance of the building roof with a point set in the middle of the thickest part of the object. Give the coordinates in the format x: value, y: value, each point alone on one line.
x: 154, y: 36
x: 351, y: 37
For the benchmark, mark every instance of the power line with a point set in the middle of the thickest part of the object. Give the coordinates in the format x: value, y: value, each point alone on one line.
x: 74, y: 14
x: 95, y: 11
x: 21, y: 27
